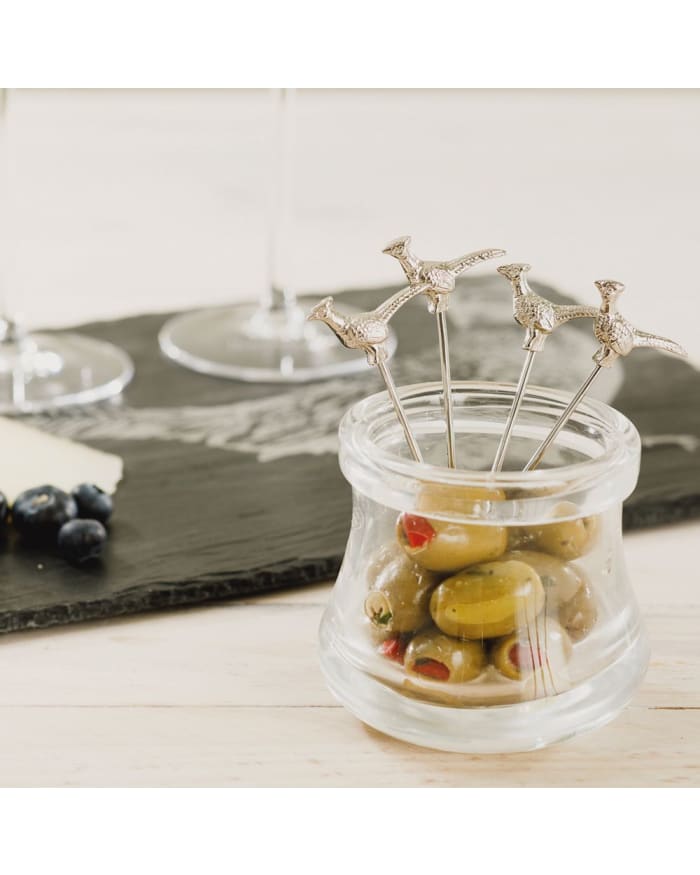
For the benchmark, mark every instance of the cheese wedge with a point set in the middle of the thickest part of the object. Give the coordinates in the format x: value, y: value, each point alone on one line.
x: 30, y: 457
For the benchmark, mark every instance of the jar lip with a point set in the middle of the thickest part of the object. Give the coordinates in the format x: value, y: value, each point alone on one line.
x: 620, y: 453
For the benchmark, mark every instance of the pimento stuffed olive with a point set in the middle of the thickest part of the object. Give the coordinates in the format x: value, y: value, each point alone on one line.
x: 394, y: 648
x: 489, y: 600
x: 399, y: 596
x: 579, y: 615
x: 566, y: 540
x: 542, y: 645
x: 568, y: 594
x: 561, y: 580
x: 443, y: 546
x: 440, y: 658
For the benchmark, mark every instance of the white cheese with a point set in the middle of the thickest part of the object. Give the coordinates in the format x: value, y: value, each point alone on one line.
x: 30, y: 457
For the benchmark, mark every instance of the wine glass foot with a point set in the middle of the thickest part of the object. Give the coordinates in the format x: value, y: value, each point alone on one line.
x: 246, y: 342
x: 42, y: 372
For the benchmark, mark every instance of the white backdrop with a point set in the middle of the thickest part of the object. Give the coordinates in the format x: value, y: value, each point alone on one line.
x: 128, y: 201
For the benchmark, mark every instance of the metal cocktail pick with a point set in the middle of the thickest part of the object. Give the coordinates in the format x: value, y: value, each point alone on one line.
x: 539, y: 317
x: 369, y: 332
x: 439, y: 279
x: 617, y: 337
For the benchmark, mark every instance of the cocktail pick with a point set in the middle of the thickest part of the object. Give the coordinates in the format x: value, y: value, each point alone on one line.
x: 369, y: 332
x: 439, y: 278
x: 539, y: 317
x: 617, y: 337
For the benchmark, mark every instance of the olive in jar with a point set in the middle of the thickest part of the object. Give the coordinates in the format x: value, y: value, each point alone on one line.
x: 488, y: 600
x: 579, y: 615
x: 561, y: 580
x: 400, y: 590
x: 441, y: 658
x: 543, y: 645
x: 444, y: 546
x: 566, y: 540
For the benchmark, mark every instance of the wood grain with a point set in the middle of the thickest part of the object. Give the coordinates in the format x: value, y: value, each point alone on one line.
x: 232, y: 695
x: 320, y: 746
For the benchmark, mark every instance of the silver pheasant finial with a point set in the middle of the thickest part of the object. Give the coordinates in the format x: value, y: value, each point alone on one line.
x: 369, y: 333
x: 439, y: 279
x: 539, y: 317
x: 439, y: 276
x: 617, y: 337
x: 365, y: 331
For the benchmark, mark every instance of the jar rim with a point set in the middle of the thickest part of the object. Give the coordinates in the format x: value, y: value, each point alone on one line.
x: 606, y: 478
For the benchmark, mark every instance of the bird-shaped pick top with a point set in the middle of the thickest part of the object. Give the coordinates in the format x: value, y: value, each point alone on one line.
x: 439, y: 276
x: 369, y: 332
x: 538, y: 316
x: 616, y: 335
x: 366, y: 331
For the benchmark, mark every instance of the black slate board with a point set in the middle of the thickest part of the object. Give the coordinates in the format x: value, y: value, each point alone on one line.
x: 222, y: 497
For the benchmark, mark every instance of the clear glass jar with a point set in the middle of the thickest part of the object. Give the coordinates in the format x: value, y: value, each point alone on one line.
x: 485, y: 612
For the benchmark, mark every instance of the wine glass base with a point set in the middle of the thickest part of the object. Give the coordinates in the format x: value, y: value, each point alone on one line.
x: 41, y: 372
x: 244, y: 342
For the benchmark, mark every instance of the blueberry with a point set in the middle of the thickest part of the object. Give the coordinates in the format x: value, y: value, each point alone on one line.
x: 39, y: 513
x: 93, y: 503
x: 82, y: 540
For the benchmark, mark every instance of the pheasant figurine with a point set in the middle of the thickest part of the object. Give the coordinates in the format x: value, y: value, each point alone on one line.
x: 366, y: 331
x: 439, y: 276
x: 538, y: 316
x: 616, y: 335
x: 369, y: 332
x: 439, y: 279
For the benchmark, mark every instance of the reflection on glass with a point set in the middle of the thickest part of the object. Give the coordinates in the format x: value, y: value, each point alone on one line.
x: 269, y: 340
x: 44, y: 371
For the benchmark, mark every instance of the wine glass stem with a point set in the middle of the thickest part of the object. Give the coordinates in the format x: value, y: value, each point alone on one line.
x: 280, y: 294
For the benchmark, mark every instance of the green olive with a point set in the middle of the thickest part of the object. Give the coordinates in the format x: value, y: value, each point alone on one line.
x: 543, y: 645
x: 441, y: 658
x: 445, y: 498
x: 561, y: 580
x: 578, y: 616
x: 568, y: 539
x: 488, y: 600
x: 400, y: 590
x: 444, y: 546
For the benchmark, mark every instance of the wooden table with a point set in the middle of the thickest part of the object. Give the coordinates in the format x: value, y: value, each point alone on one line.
x: 232, y: 695
x: 141, y: 202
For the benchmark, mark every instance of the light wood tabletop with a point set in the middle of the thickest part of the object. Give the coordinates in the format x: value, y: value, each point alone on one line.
x: 232, y: 695
x: 140, y: 202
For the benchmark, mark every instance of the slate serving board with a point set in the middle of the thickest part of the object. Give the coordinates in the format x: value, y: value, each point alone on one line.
x: 232, y: 489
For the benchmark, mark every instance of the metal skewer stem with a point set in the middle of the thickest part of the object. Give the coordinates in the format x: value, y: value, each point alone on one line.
x: 439, y: 278
x: 539, y: 317
x: 515, y: 408
x: 446, y: 387
x: 400, y: 412
x: 369, y: 332
x: 561, y: 422
x: 617, y: 337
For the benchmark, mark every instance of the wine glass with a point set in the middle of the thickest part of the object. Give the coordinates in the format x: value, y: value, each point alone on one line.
x: 268, y: 340
x: 47, y: 370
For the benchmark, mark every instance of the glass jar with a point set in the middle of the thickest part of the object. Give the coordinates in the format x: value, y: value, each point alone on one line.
x: 485, y: 612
